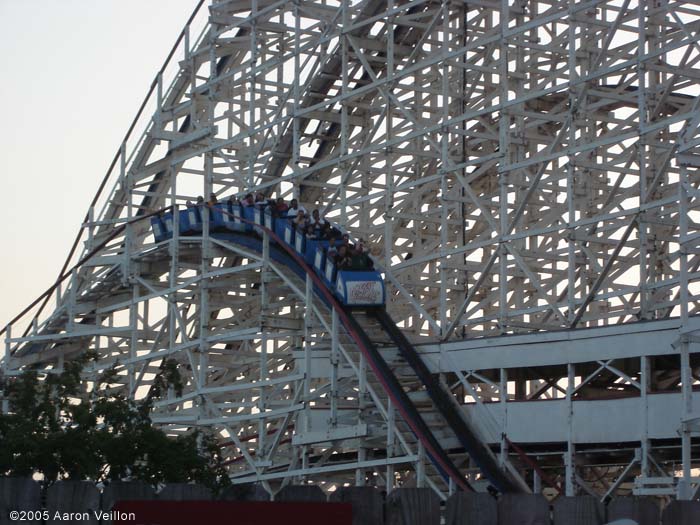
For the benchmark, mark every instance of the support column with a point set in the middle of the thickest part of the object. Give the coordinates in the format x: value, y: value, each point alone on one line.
x: 570, y: 482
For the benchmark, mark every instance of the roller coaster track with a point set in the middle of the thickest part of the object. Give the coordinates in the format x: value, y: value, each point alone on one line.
x: 444, y: 402
x: 441, y: 399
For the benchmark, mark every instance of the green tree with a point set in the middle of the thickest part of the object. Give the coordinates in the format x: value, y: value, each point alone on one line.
x: 58, y: 429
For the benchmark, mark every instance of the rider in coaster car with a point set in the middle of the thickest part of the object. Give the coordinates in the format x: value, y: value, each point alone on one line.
x: 343, y: 260
x: 294, y: 209
x: 248, y: 200
x: 318, y: 221
x: 359, y: 259
x: 281, y: 207
x: 300, y: 221
x: 326, y: 231
x: 260, y: 201
x: 332, y: 251
x: 311, y: 232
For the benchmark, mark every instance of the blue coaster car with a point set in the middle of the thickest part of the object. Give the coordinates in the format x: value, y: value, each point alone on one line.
x: 167, y: 219
x: 329, y: 272
x: 360, y: 288
x: 269, y: 219
x: 259, y: 217
x: 300, y: 243
x: 232, y: 220
x: 281, y: 226
x: 218, y: 216
x: 160, y: 233
x: 249, y: 213
x: 290, y: 234
x: 191, y: 220
x: 258, y: 214
x: 310, y: 249
x: 319, y: 263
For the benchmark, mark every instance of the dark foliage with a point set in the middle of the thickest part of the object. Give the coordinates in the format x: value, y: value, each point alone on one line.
x: 59, y: 430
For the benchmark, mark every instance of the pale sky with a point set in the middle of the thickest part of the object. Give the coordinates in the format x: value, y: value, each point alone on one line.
x: 72, y: 76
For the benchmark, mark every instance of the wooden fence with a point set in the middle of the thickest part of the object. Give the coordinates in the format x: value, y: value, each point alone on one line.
x: 406, y: 506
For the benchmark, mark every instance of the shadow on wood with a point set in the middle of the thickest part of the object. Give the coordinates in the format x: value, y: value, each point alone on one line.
x: 367, y: 504
x: 644, y: 511
x: 412, y: 506
x: 523, y: 509
x: 467, y: 508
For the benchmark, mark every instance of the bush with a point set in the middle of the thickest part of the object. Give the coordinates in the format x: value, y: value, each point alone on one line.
x: 59, y: 430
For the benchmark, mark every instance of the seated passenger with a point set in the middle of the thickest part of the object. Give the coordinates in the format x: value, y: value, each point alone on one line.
x: 332, y: 251
x: 326, y: 231
x: 212, y: 200
x: 317, y: 220
x: 334, y: 232
x: 311, y: 232
x: 294, y: 209
x: 200, y: 201
x: 248, y: 200
x: 189, y: 204
x: 359, y: 261
x: 342, y: 260
x: 299, y: 221
x: 363, y: 259
x: 260, y: 201
x: 281, y: 207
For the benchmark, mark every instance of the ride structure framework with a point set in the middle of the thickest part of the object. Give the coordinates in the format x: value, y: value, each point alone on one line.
x: 526, y: 175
